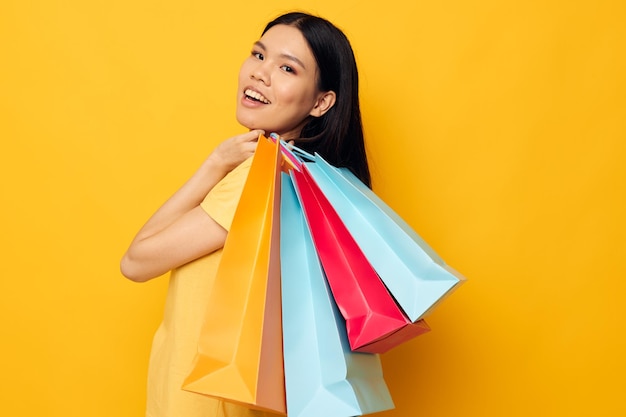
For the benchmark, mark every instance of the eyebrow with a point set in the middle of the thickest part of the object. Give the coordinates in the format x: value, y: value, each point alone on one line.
x: 283, y: 55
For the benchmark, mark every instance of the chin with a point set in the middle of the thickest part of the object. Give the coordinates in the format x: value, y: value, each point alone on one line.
x: 253, y: 126
x: 249, y: 122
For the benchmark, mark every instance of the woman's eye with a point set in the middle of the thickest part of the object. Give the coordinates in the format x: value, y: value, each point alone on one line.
x: 258, y: 56
x: 287, y: 68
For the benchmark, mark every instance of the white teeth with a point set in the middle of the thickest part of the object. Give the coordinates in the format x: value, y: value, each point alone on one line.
x: 256, y: 96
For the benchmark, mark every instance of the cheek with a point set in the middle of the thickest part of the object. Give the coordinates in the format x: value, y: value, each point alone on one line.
x: 244, y: 71
x: 299, y: 93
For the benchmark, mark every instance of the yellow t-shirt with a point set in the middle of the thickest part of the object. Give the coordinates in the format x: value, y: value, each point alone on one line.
x: 176, y: 341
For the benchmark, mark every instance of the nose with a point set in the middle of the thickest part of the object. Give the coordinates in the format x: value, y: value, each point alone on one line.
x: 261, y: 73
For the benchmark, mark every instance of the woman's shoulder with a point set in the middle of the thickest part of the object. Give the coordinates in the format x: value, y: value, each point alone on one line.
x: 221, y: 202
x: 241, y: 169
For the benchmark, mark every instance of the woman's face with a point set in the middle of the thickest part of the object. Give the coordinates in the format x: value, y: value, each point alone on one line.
x: 278, y: 84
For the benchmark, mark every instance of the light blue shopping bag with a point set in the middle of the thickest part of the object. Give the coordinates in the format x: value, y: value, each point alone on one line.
x: 414, y: 274
x: 323, y: 377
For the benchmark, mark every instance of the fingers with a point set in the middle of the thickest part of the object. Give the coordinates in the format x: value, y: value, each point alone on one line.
x: 249, y: 140
x: 253, y: 135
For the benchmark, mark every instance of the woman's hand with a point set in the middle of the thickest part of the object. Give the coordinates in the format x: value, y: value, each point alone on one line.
x: 232, y: 152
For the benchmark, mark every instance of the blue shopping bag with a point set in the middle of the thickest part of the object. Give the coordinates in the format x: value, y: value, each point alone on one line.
x: 323, y: 377
x: 414, y: 274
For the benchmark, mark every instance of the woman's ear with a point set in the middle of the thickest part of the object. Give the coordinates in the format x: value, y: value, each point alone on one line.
x: 324, y: 102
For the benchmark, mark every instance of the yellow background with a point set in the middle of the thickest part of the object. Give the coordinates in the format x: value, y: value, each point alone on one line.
x: 496, y: 128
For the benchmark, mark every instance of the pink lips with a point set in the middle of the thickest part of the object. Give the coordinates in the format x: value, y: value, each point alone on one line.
x: 253, y: 98
x: 250, y: 103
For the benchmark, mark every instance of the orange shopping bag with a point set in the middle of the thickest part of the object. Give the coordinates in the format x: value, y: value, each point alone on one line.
x: 240, y: 356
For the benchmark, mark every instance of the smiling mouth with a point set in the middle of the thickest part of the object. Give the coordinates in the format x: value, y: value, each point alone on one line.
x: 255, y: 96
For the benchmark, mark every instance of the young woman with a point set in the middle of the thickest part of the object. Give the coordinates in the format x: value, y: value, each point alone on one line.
x: 299, y: 81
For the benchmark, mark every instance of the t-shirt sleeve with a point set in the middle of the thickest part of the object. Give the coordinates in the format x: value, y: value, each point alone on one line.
x: 222, y: 200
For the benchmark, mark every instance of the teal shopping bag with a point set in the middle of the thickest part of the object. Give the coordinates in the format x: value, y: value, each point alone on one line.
x: 414, y: 274
x: 323, y: 377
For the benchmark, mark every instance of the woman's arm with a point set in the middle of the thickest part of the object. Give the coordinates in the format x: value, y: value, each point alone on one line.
x: 181, y: 231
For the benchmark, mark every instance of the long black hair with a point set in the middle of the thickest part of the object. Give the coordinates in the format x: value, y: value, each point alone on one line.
x: 338, y: 134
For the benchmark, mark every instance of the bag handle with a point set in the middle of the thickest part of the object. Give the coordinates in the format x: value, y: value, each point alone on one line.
x: 294, y: 155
